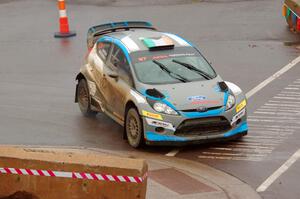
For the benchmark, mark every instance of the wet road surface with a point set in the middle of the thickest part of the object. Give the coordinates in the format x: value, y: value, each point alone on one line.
x: 244, y: 40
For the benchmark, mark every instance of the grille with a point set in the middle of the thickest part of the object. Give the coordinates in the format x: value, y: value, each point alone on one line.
x: 208, y: 109
x: 203, y: 126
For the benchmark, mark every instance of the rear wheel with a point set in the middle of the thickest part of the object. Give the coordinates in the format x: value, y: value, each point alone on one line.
x: 134, y: 128
x: 84, y: 101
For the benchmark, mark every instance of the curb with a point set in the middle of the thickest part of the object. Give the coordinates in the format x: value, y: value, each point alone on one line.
x: 232, y: 186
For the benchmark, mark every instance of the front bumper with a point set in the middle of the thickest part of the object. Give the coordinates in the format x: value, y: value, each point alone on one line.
x: 153, y: 138
x: 191, y: 126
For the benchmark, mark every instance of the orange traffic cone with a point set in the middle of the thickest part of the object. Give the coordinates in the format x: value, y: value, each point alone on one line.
x: 63, y: 22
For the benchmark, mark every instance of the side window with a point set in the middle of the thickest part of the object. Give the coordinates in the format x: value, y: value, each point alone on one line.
x: 120, y: 63
x: 103, y: 49
x: 118, y: 59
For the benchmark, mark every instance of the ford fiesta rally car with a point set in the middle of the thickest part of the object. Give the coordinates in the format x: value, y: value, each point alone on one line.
x: 158, y: 86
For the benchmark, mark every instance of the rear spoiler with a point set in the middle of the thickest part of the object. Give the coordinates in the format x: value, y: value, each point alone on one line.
x: 96, y: 31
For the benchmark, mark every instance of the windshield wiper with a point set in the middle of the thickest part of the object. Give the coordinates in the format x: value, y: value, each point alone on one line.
x: 193, y: 68
x: 174, y: 75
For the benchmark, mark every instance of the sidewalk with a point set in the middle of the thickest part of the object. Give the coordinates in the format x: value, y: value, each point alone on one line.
x: 174, y: 178
x: 180, y: 179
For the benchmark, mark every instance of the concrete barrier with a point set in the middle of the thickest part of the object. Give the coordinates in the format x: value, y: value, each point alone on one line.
x: 70, y: 174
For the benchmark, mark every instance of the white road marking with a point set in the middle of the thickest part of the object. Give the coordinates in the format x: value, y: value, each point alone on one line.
x: 271, y: 127
x: 255, y: 143
x: 289, y: 88
x: 233, y: 154
x: 273, y: 77
x: 255, y: 159
x: 172, y: 153
x: 266, y: 137
x: 273, y: 101
x: 276, y: 118
x: 272, y: 133
x: 290, y: 92
x: 288, y: 95
x: 280, y: 105
x: 264, y: 141
x: 268, y: 113
x: 269, y: 181
x: 278, y: 110
x: 268, y: 128
x: 252, y: 145
x: 287, y: 98
x: 275, y: 121
x: 273, y: 113
x: 293, y: 85
x: 249, y: 150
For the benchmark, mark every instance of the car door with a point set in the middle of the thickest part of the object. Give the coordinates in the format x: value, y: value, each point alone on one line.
x: 120, y: 80
x: 103, y: 50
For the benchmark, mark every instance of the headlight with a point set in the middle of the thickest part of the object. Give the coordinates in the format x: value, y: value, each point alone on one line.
x: 163, y: 108
x: 230, y: 102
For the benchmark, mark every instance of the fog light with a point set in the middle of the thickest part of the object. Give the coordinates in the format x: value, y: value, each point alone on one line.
x: 159, y: 129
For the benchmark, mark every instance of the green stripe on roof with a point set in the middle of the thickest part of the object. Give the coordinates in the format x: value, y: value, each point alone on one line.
x: 149, y: 43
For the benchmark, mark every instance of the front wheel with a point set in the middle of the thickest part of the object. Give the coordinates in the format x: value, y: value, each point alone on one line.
x: 84, y: 101
x: 134, y: 128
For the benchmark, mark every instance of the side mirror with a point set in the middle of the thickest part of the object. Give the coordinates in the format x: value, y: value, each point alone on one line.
x: 113, y: 75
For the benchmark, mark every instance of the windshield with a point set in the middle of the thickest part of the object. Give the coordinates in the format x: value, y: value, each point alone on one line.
x: 182, y: 64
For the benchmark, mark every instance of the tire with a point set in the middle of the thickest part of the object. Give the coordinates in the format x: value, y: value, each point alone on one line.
x: 84, y: 101
x: 134, y: 128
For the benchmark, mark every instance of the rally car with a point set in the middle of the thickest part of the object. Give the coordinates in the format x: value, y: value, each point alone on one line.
x: 158, y: 86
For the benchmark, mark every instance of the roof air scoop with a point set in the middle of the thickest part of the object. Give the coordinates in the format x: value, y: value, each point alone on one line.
x: 155, y: 93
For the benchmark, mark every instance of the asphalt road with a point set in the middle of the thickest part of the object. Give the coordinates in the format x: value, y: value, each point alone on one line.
x: 245, y: 41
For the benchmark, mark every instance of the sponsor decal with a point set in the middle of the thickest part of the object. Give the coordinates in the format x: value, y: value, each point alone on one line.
x: 142, y: 59
x: 182, y: 55
x: 201, y: 100
x: 151, y: 115
x: 165, y: 56
x: 197, y: 98
x: 157, y: 123
x: 241, y: 105
x: 160, y: 57
x: 157, y: 57
x: 206, y: 102
x: 238, y: 116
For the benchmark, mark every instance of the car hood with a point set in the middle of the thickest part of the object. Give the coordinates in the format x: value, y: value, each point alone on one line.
x: 192, y: 95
